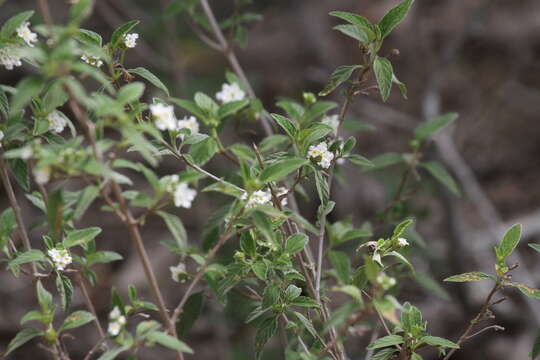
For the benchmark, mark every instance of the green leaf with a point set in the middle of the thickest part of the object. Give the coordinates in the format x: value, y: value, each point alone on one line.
x: 192, y: 310
x: 353, y: 31
x: 394, y: 17
x: 113, y: 353
x: 509, y: 242
x: 438, y: 341
x: 20, y: 171
x: 286, y: 124
x: 427, y: 129
x: 281, y: 168
x: 55, y: 211
x: 26, y: 257
x: 306, y: 323
x: 292, y: 292
x: 356, y: 20
x: 296, y: 243
x: 535, y: 247
x: 350, y: 290
x: 385, y: 354
x: 206, y: 103
x: 21, y: 338
x: 203, y: 151
x: 89, y: 37
x: 260, y: 269
x: 33, y: 316
x: 77, y: 319
x: 65, y: 288
x: 439, y: 172
x: 169, y: 342
x: 176, y: 227
x: 14, y: 22
x: 338, y: 77
x: 103, y: 257
x: 265, y: 332
x: 389, y: 340
x: 190, y: 106
x: 88, y: 195
x: 536, y: 347
x: 526, y: 290
x: 304, y: 301
x: 342, y: 264
x: 151, y: 78
x: 383, y: 73
x: 231, y: 108
x: 468, y: 277
x: 119, y: 33
x: 27, y: 88
x: 80, y: 10
x: 359, y: 160
x: 80, y: 237
x: 401, y: 258
x: 130, y: 92
x: 44, y: 297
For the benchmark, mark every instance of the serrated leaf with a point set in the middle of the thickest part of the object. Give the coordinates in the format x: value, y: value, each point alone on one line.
x: 169, y: 342
x: 176, y: 227
x: 77, y: 319
x: 22, y: 338
x: 281, y: 168
x: 353, y: 31
x: 119, y: 33
x: 192, y: 310
x: 431, y: 127
x: 296, y: 243
x: 80, y: 237
x: 231, y: 108
x: 286, y: 124
x: 438, y: 341
x: 439, y: 172
x: 389, y: 340
x: 468, y: 277
x: 307, y: 324
x: 265, y: 332
x: 509, y: 242
x: 384, y: 74
x: 394, y: 17
x: 151, y: 78
x: 14, y: 22
x: 338, y: 77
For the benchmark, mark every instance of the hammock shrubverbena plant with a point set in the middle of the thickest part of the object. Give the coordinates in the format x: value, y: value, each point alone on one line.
x: 288, y: 266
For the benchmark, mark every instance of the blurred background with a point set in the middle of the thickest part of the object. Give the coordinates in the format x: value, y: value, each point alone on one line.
x: 480, y: 58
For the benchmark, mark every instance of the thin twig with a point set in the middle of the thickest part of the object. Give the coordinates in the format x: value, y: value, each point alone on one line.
x: 89, y: 304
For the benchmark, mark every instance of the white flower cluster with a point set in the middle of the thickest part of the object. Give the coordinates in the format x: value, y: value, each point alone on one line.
x: 182, y: 194
x: 10, y: 57
x: 117, y: 322
x: 164, y: 116
x: 385, y: 281
x: 24, y: 32
x: 130, y: 40
x: 60, y: 257
x: 402, y: 242
x: 42, y: 175
x: 178, y: 270
x: 321, y: 155
x: 261, y: 197
x: 332, y: 121
x: 189, y: 123
x: 92, y: 60
x: 57, y: 122
x: 230, y: 92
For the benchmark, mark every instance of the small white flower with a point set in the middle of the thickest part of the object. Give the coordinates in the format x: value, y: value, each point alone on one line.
x: 115, y: 313
x: 177, y: 270
x: 24, y: 32
x: 230, y: 92
x: 259, y: 197
x: 183, y: 196
x: 402, y: 242
x: 10, y: 57
x: 60, y: 257
x: 57, y: 122
x: 92, y: 60
x: 121, y: 320
x: 42, y: 175
x: 188, y: 123
x: 321, y: 155
x: 385, y: 281
x: 170, y: 182
x: 332, y: 121
x: 26, y: 152
x: 130, y: 40
x: 114, y: 328
x: 164, y: 116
